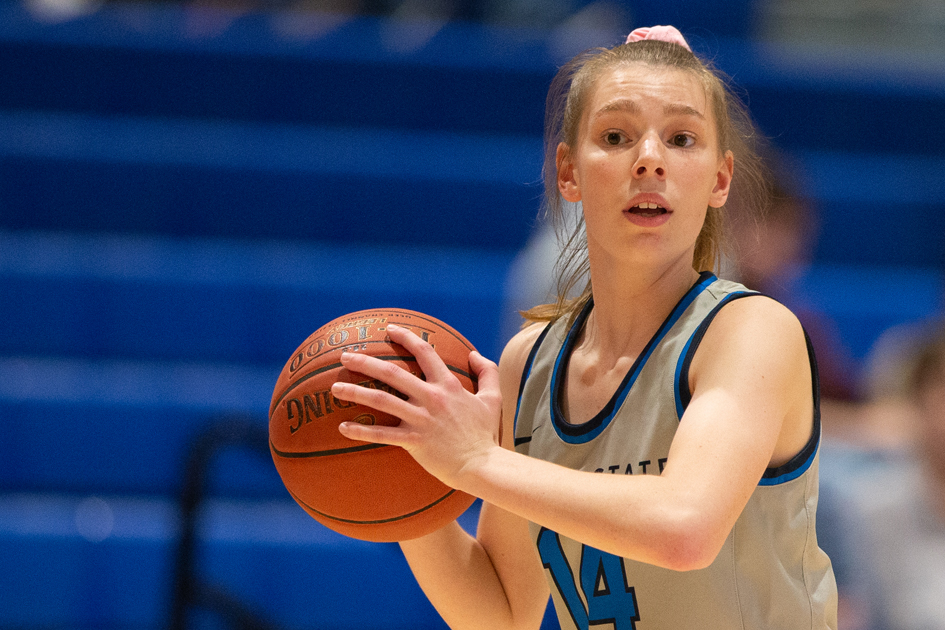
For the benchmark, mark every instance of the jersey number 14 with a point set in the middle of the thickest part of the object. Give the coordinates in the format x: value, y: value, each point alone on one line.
x: 603, y: 582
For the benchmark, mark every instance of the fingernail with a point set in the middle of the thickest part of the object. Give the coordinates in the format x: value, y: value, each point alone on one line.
x: 393, y: 327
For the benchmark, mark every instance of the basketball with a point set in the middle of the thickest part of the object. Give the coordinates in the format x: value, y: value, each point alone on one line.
x: 368, y: 491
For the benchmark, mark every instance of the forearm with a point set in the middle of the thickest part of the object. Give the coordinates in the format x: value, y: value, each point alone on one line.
x: 644, y: 517
x: 459, y: 579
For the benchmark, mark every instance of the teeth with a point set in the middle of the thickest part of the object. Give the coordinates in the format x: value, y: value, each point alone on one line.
x: 647, y: 205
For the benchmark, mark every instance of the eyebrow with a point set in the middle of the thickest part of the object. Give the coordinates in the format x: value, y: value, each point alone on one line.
x: 629, y: 106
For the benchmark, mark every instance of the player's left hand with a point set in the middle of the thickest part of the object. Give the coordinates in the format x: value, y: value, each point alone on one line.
x: 443, y: 426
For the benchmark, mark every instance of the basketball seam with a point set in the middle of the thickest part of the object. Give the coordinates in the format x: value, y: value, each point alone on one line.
x: 437, y: 323
x: 374, y: 522
x: 311, y: 374
x: 391, y: 357
x: 334, y: 451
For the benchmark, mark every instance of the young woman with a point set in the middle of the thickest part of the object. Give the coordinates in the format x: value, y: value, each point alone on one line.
x: 648, y: 450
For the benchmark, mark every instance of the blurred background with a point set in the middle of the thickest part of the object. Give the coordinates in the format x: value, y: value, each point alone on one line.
x: 189, y: 189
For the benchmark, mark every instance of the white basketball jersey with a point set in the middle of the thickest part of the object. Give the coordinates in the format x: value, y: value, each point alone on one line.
x: 770, y: 573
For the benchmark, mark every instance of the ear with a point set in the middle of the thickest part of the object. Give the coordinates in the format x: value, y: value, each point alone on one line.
x: 723, y: 181
x: 568, y: 185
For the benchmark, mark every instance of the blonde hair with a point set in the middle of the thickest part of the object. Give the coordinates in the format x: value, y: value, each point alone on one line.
x: 567, y: 99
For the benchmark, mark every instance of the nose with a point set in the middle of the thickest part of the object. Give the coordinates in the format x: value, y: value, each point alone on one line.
x: 650, y: 162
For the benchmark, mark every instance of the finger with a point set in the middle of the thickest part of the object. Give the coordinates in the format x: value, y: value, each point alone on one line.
x: 388, y: 372
x: 434, y: 369
x: 486, y: 371
x: 380, y: 400
x: 378, y: 434
x: 488, y: 390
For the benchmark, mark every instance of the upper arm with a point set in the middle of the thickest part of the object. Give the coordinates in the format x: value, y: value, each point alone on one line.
x: 511, y: 366
x: 503, y: 535
x: 751, y: 407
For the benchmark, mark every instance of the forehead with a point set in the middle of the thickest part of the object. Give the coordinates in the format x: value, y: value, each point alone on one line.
x: 639, y: 86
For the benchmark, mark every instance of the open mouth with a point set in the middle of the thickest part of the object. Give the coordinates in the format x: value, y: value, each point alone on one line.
x: 647, y: 209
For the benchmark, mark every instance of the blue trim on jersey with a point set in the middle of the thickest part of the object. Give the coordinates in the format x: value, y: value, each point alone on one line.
x: 680, y: 408
x: 798, y: 464
x: 526, y: 371
x: 583, y: 433
x: 681, y: 378
x: 792, y: 474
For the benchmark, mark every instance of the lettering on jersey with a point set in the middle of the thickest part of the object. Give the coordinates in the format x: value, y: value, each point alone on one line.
x: 640, y: 468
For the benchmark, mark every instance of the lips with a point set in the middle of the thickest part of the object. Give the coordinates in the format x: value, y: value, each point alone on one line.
x: 647, y: 209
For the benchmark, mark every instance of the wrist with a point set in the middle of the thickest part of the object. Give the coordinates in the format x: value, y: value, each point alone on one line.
x: 479, y: 472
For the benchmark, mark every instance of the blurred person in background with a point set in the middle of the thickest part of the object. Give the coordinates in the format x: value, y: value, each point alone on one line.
x: 774, y: 249
x: 900, y: 506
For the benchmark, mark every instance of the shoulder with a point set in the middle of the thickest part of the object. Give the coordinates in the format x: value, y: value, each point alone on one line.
x: 751, y: 333
x: 754, y: 368
x: 511, y: 367
x: 756, y: 311
x: 517, y: 351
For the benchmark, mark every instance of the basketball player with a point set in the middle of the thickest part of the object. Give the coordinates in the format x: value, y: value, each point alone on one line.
x: 661, y: 430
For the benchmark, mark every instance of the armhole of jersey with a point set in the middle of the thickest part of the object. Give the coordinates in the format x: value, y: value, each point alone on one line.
x: 521, y: 386
x: 797, y: 465
x: 682, y: 393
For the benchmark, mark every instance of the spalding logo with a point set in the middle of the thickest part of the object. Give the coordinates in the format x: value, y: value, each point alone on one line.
x: 350, y: 336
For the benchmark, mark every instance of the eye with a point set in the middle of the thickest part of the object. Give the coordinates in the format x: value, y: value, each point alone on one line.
x: 613, y: 138
x: 683, y: 140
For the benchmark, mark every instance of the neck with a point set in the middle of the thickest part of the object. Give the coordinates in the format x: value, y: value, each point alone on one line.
x: 629, y: 306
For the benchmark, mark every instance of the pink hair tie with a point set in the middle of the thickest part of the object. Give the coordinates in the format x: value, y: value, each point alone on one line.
x: 660, y: 33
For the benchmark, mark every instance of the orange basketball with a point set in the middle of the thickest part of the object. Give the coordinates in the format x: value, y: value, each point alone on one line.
x: 362, y: 490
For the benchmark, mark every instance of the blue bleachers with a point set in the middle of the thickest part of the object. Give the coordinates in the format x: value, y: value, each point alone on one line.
x: 124, y: 121
x: 136, y: 340
x: 211, y: 301
x: 250, y: 180
x: 104, y: 562
x: 186, y: 194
